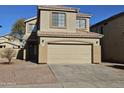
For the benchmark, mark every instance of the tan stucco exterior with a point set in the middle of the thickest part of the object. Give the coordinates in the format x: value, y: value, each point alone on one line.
x: 8, y: 45
x: 113, y: 40
x: 45, y: 22
x: 96, y: 54
x: 44, y: 42
x: 8, y: 42
x: 27, y: 32
x: 42, y: 54
x: 80, y: 38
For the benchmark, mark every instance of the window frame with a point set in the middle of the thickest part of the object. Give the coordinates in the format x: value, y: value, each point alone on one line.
x: 51, y: 20
x: 80, y: 23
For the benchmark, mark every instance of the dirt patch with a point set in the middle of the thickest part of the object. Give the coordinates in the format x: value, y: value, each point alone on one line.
x: 22, y: 73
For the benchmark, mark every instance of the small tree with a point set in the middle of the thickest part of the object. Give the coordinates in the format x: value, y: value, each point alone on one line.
x: 8, y: 54
x: 18, y: 29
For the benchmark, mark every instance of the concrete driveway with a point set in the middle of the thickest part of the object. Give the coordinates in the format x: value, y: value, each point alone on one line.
x: 27, y: 74
x: 103, y: 75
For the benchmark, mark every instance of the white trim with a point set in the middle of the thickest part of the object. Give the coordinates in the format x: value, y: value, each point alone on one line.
x: 32, y: 18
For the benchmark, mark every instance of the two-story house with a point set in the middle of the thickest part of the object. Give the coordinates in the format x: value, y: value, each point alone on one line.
x: 61, y: 34
x: 113, y: 41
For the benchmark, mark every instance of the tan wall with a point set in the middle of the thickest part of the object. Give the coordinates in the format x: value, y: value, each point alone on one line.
x: 45, y: 22
x: 93, y: 41
x: 96, y: 54
x: 43, y: 47
x: 3, y: 41
x: 42, y: 54
x: 27, y: 34
x: 30, y: 22
x: 113, y: 40
x: 88, y: 24
x: 9, y: 45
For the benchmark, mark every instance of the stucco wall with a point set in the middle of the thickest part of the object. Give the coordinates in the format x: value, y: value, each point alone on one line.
x: 7, y: 45
x: 45, y: 22
x: 113, y: 40
x: 95, y: 42
x: 2, y: 39
x: 5, y: 41
x: 96, y: 48
x: 96, y: 54
x: 28, y: 33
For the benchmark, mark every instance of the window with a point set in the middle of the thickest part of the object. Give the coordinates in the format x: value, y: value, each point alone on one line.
x: 58, y: 19
x: 81, y: 23
x: 32, y: 27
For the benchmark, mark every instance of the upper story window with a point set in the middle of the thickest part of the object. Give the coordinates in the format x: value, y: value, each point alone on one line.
x: 81, y: 23
x: 32, y: 27
x: 58, y: 20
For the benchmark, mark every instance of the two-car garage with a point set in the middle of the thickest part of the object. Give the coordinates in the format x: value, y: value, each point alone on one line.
x: 69, y: 53
x: 60, y: 47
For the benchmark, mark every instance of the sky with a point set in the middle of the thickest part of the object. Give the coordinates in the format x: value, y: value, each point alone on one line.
x: 9, y: 14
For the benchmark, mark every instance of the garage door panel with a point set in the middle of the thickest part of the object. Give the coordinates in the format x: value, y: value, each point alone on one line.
x: 69, y: 54
x: 68, y: 61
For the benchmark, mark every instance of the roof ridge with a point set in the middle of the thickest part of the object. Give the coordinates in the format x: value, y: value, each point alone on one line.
x: 31, y: 18
x: 109, y: 18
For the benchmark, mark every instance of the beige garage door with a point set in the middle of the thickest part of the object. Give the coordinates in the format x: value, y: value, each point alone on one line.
x: 69, y: 54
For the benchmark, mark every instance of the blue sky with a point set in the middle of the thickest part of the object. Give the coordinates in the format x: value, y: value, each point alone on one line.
x: 9, y: 14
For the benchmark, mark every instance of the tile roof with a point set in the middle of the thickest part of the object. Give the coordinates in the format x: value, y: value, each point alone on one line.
x: 70, y: 34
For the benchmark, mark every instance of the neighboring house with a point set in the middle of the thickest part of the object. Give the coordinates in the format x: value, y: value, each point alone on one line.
x: 113, y: 40
x: 61, y: 34
x: 7, y: 41
x: 31, y: 40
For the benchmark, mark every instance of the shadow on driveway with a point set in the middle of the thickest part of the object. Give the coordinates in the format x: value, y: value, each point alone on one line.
x: 115, y: 62
x: 117, y: 66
